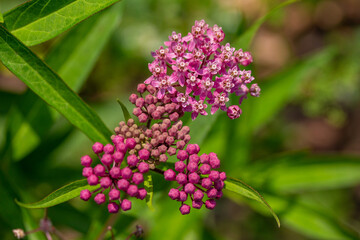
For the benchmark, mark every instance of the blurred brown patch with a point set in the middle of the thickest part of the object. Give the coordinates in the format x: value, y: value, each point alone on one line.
x: 315, y: 134
x: 328, y: 14
x: 309, y: 42
x: 251, y: 9
x: 351, y: 141
x: 298, y: 20
x: 351, y: 9
x: 271, y: 51
x: 11, y: 84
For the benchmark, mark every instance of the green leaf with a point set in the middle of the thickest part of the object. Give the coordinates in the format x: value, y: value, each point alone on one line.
x: 149, y: 187
x: 1, y: 18
x: 61, y: 195
x: 49, y: 86
x: 245, y: 39
x: 9, y: 208
x: 306, y: 218
x: 76, y: 54
x: 304, y: 172
x: 241, y: 188
x: 27, y: 122
x: 73, y: 61
x: 124, y: 110
x: 40, y: 20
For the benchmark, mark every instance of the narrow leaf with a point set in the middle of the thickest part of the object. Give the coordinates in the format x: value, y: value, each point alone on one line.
x: 304, y: 172
x: 241, y: 188
x: 49, y: 86
x: 61, y: 195
x: 73, y: 61
x: 1, y: 18
x: 40, y: 20
x: 124, y: 110
x: 245, y: 39
x: 149, y: 187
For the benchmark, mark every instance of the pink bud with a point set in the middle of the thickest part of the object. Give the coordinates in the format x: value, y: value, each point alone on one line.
x: 133, y: 98
x: 109, y: 148
x: 86, y: 161
x: 143, y: 167
x: 125, y: 205
x: 185, y: 209
x: 100, y: 198
x: 85, y: 194
x: 113, y: 207
x: 144, y: 154
x: 97, y: 148
x: 169, y: 175
x: 141, y: 88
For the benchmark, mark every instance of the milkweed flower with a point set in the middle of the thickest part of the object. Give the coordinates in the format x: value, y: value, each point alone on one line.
x: 195, y: 71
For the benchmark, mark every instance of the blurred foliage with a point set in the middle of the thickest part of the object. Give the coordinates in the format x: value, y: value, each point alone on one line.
x: 307, y: 63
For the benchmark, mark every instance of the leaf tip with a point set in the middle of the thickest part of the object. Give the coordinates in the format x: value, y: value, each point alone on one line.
x: 19, y: 203
x: 124, y: 110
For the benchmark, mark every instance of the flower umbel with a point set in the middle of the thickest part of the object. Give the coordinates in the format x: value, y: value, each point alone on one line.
x: 192, y: 73
x: 197, y: 68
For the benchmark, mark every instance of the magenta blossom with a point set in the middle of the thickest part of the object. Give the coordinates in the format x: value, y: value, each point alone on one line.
x: 198, y: 107
x: 197, y: 66
x: 164, y: 85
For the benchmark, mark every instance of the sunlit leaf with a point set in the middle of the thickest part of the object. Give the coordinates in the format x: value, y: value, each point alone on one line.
x: 241, y: 188
x: 73, y: 61
x: 49, y: 86
x: 37, y: 21
x: 61, y: 195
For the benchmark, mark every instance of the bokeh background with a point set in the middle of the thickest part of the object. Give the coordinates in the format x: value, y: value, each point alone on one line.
x: 306, y: 59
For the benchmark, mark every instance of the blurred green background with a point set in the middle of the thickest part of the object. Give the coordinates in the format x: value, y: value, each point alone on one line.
x: 298, y: 144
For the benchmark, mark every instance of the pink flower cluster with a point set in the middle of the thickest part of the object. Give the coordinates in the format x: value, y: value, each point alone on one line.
x: 189, y: 74
x: 196, y: 70
x: 197, y: 179
x: 112, y: 176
